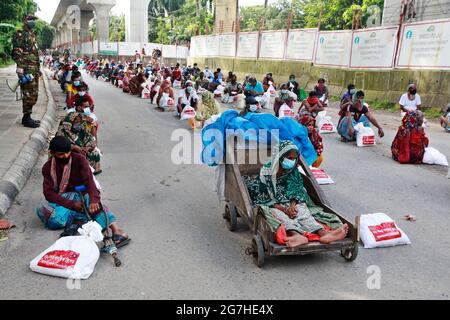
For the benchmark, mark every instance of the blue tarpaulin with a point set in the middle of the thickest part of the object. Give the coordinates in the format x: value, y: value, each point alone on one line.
x: 249, y: 129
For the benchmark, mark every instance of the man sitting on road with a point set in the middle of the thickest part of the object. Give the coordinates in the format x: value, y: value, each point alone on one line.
x: 255, y: 89
x: 352, y: 113
x: 62, y: 173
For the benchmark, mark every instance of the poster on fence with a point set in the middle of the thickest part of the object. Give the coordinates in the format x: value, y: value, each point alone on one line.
x: 108, y: 48
x: 272, y: 44
x: 149, y: 47
x: 425, y: 45
x: 212, y: 45
x: 248, y: 45
x: 169, y: 51
x: 198, y: 46
x: 374, y: 48
x: 182, y: 52
x: 333, y: 48
x: 95, y: 47
x: 86, y: 48
x: 129, y: 48
x: 301, y: 44
x: 227, y: 45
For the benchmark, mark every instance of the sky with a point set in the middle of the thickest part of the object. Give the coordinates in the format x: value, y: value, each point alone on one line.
x: 48, y: 7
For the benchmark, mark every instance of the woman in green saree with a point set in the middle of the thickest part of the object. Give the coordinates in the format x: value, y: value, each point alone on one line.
x: 74, y: 127
x: 279, y: 191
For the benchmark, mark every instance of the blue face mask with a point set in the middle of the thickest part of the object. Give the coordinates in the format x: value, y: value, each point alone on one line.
x: 76, y: 83
x: 288, y: 164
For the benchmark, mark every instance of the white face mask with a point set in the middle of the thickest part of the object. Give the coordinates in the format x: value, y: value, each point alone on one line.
x: 81, y: 93
x: 87, y: 110
x: 253, y: 107
x: 284, y: 91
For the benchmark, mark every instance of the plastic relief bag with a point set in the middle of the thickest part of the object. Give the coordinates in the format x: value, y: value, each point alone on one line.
x: 325, y: 125
x: 177, y: 84
x: 271, y: 90
x: 71, y: 257
x: 166, y: 101
x: 188, y: 113
x: 365, y: 136
x: 285, y: 111
x: 378, y: 230
x: 145, y: 93
x: 433, y: 156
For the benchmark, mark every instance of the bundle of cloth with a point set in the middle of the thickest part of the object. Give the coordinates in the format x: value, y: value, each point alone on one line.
x: 250, y: 127
x: 410, y: 142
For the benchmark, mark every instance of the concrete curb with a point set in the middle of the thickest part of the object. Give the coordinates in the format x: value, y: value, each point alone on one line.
x: 17, y: 175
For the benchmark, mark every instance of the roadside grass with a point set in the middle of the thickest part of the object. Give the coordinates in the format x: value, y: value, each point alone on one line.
x: 430, y: 112
x: 6, y: 63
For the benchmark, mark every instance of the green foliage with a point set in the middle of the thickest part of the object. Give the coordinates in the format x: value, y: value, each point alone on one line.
x: 44, y: 34
x: 177, y: 21
x: 116, y: 28
x: 336, y: 14
x: 11, y: 19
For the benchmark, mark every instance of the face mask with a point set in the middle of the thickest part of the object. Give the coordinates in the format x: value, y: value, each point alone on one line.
x: 87, y: 110
x: 62, y: 161
x: 77, y: 127
x: 352, y: 91
x: 284, y: 91
x: 31, y: 24
x: 253, y: 108
x: 76, y: 83
x: 288, y: 164
x: 189, y: 89
x: 292, y: 80
x: 81, y: 93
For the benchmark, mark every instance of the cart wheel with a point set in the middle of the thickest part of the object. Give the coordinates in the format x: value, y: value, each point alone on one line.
x: 350, y: 254
x: 258, y: 251
x: 230, y: 216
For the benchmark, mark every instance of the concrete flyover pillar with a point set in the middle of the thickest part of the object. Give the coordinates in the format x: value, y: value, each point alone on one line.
x: 86, y: 17
x: 136, y: 22
x: 102, y: 9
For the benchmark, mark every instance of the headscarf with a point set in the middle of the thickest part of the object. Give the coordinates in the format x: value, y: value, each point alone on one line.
x: 413, y: 119
x: 314, y: 136
x: 268, y: 173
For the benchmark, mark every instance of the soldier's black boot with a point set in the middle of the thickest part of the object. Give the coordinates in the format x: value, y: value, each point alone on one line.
x: 28, y: 122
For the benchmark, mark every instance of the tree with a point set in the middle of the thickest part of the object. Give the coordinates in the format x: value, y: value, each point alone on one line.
x: 44, y: 34
x: 117, y: 28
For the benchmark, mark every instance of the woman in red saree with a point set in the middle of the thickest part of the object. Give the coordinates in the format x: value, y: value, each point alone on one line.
x: 410, y: 142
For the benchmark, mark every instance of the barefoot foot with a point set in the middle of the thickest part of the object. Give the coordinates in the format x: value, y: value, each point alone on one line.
x: 335, y: 235
x: 296, y: 241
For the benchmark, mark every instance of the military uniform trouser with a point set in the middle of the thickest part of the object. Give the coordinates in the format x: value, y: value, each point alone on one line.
x: 30, y: 93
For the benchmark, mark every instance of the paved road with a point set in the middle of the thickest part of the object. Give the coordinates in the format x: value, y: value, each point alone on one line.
x: 182, y: 250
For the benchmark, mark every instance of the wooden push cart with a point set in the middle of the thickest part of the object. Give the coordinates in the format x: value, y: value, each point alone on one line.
x: 239, y: 204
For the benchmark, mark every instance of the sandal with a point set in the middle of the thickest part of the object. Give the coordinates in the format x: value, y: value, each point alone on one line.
x: 98, y: 172
x: 120, y: 240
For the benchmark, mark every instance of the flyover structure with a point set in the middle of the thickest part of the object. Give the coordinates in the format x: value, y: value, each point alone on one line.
x: 72, y: 19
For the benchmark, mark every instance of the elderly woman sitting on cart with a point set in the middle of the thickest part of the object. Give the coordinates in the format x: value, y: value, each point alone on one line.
x: 279, y: 191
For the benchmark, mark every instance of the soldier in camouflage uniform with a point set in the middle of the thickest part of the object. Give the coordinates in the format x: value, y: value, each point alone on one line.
x: 26, y: 56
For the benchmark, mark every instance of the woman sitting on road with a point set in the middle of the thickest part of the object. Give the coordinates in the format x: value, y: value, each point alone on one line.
x: 315, y: 138
x: 75, y: 128
x: 352, y: 113
x: 165, y: 89
x: 83, y: 91
x: 207, y: 108
x: 187, y: 97
x: 278, y: 189
x: 284, y: 97
x: 136, y: 84
x: 410, y: 142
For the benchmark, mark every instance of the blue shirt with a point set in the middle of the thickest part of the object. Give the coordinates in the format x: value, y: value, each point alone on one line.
x: 258, y: 87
